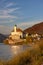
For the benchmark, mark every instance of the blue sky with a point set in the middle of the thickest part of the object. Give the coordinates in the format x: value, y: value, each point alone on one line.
x: 23, y: 13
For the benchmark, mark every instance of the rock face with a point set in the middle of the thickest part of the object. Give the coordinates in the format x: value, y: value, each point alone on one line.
x: 37, y: 28
x: 2, y: 37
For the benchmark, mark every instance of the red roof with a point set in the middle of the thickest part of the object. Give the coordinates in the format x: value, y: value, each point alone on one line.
x: 18, y: 30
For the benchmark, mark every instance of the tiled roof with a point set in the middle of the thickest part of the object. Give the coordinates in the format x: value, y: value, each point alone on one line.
x: 18, y: 30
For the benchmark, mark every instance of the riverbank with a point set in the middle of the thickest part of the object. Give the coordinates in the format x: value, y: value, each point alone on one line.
x: 26, y: 41
x: 28, y: 57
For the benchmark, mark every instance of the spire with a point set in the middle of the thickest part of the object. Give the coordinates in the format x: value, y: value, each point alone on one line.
x: 15, y: 27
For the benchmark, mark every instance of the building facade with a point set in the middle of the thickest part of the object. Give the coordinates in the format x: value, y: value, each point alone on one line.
x: 16, y: 33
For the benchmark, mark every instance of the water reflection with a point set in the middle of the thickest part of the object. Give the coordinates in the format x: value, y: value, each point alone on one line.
x: 8, y: 51
x: 15, y: 49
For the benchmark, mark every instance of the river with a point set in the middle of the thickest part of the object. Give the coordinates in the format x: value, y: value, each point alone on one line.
x: 8, y: 51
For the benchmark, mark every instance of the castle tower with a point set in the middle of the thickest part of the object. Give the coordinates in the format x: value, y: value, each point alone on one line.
x: 15, y: 28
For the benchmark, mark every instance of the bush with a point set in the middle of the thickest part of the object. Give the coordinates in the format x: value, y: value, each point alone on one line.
x: 29, y: 39
x: 28, y: 57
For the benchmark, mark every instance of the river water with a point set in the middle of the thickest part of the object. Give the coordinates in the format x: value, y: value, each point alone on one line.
x: 8, y: 51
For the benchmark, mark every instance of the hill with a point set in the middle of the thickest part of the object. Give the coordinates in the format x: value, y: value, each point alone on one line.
x: 2, y: 37
x: 37, y: 28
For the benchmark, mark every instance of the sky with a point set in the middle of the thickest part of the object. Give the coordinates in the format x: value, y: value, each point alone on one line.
x: 23, y: 13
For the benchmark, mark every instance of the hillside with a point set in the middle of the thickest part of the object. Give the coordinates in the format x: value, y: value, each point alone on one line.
x: 37, y: 28
x: 2, y: 37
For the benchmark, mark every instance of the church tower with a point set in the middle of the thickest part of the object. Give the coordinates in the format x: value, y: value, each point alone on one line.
x: 15, y: 28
